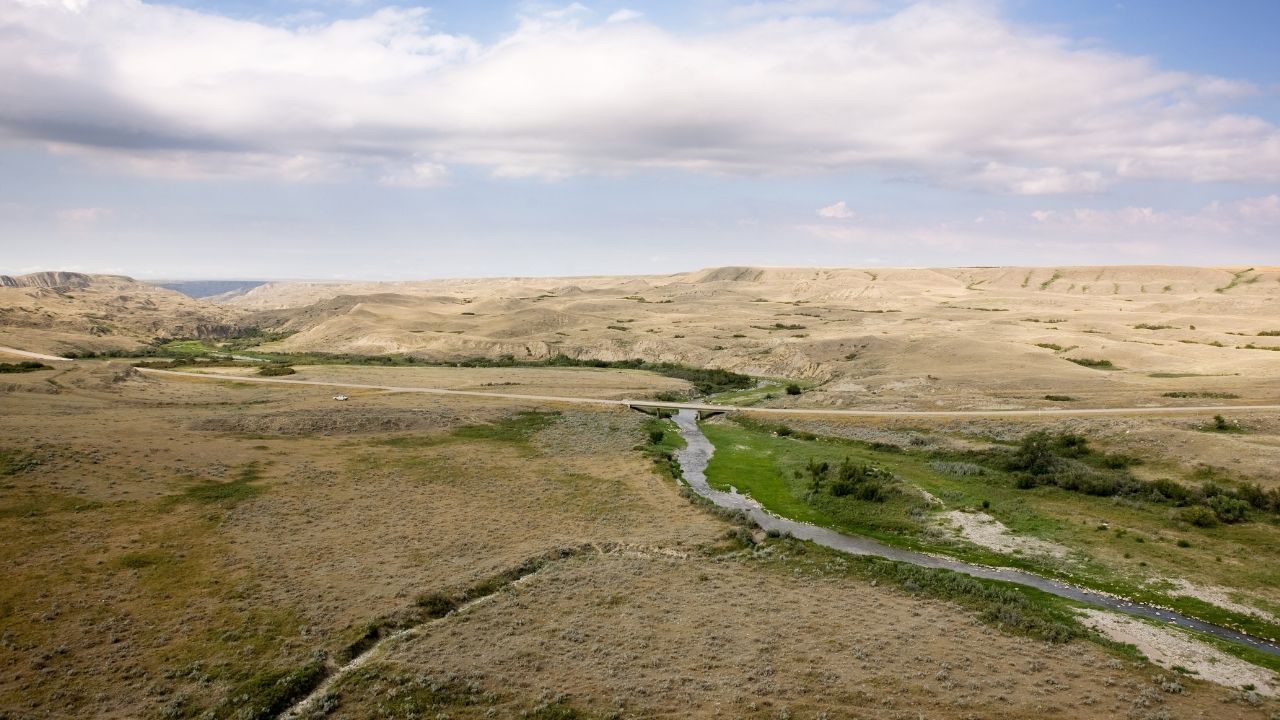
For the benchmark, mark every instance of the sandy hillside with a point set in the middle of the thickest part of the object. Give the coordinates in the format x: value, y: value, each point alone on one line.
x: 962, y: 337
x: 62, y: 312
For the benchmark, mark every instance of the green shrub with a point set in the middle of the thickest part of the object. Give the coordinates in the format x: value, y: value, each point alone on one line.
x: 275, y: 370
x: 22, y: 367
x: 1229, y: 509
x: 1165, y: 490
x: 861, y: 482
x: 1059, y: 398
x: 1200, y: 516
x: 437, y: 604
x: 1035, y: 455
x: 794, y: 389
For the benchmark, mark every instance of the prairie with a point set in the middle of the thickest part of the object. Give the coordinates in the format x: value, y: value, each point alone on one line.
x: 193, y: 548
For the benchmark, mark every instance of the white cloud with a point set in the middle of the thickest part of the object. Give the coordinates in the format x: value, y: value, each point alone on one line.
x: 624, y: 15
x: 1260, y: 209
x: 83, y: 216
x: 1238, y: 230
x: 1254, y: 217
x: 1035, y: 181
x: 947, y: 94
x: 419, y: 174
x: 839, y: 211
x: 794, y: 8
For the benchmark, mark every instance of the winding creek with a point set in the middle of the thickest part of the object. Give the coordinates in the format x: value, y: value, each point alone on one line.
x: 697, y: 454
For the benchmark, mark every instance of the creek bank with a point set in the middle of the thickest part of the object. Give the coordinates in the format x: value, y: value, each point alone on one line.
x: 696, y: 455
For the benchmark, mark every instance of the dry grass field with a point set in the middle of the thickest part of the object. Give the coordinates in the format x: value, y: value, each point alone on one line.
x: 188, y: 548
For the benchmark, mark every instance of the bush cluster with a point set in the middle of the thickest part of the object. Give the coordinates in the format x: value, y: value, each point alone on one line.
x: 275, y: 370
x: 849, y: 479
x: 1066, y: 461
x: 22, y: 367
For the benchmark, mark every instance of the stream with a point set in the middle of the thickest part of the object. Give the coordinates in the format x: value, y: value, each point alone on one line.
x: 697, y: 454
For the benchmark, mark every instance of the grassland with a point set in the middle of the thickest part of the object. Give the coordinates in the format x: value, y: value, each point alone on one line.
x: 200, y: 549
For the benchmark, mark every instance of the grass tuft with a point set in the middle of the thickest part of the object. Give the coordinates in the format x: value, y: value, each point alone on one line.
x: 1094, y: 363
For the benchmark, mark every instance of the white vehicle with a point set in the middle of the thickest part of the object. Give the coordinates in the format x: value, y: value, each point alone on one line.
x: 340, y: 397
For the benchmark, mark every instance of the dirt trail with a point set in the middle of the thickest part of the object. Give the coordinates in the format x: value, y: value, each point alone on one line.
x: 730, y: 408
x: 35, y: 355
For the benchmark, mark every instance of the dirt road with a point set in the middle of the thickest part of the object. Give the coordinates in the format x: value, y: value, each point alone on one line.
x: 1050, y: 412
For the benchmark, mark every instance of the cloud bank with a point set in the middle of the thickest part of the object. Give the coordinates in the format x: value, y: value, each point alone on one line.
x: 944, y: 93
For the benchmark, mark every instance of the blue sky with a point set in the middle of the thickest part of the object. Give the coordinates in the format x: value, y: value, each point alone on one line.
x: 291, y: 139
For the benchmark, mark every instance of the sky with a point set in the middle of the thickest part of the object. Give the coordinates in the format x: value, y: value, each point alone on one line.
x: 358, y: 139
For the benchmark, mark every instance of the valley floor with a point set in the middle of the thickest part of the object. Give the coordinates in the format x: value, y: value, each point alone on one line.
x: 183, y: 548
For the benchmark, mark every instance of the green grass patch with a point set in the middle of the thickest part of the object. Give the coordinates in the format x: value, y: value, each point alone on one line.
x: 706, y: 380
x: 663, y: 442
x: 1175, y: 375
x: 1201, y: 394
x: 226, y: 494
x: 517, y: 428
x: 775, y: 470
x: 779, y: 326
x: 412, y: 442
x: 1050, y: 346
x: 269, y: 693
x: 1094, y: 363
x: 1236, y: 279
x: 766, y: 389
x: 141, y: 560
x: 14, y: 461
x: 1049, y: 283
